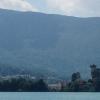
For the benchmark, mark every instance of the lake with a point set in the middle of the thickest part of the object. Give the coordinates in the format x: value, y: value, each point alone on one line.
x: 49, y: 96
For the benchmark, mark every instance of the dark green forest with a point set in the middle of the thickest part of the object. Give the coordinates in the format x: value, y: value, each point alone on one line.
x: 22, y: 85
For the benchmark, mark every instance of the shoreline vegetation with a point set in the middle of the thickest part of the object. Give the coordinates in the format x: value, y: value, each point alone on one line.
x: 22, y: 83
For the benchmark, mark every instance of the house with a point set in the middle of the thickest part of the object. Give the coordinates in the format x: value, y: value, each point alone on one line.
x: 55, y: 86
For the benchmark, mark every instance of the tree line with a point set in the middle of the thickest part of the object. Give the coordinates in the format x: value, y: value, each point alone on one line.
x: 23, y: 85
x: 77, y: 84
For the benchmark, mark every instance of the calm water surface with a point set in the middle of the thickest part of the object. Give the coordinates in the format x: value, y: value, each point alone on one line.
x: 49, y: 96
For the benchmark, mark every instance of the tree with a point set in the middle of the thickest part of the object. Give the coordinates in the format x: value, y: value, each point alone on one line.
x: 40, y: 86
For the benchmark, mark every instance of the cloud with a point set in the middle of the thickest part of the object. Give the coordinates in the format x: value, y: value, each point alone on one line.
x: 81, y: 8
x: 21, y: 5
x: 75, y: 7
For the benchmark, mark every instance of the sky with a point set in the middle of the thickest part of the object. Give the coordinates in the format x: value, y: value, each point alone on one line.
x: 79, y: 8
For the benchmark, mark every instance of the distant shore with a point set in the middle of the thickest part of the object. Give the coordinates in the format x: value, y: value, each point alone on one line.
x: 25, y: 83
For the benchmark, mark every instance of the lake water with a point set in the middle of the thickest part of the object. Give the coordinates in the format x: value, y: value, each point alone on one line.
x: 49, y: 96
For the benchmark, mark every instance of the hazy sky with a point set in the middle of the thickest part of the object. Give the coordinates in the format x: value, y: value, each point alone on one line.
x: 81, y: 8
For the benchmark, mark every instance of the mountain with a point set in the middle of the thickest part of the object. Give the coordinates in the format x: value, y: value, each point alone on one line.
x: 48, y: 44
